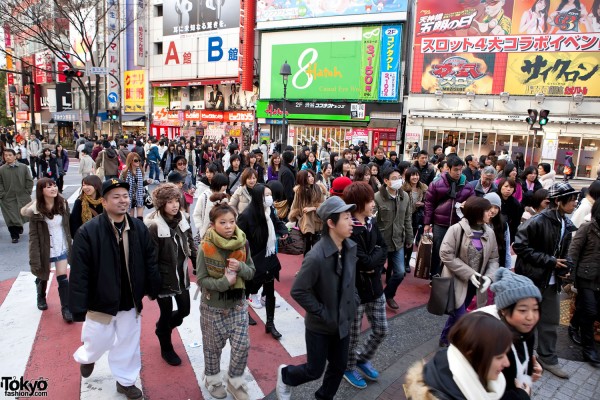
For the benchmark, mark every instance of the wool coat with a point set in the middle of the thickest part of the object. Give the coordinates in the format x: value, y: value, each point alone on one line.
x: 16, y: 185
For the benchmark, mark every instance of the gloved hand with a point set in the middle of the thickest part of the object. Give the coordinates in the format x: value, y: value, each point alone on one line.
x: 487, y: 281
x: 475, y: 279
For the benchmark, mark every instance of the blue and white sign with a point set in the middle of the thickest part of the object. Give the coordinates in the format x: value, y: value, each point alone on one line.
x: 113, y: 98
x: 391, y: 37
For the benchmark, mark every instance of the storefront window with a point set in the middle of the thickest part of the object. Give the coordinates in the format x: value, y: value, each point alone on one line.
x: 568, y: 145
x: 588, y: 159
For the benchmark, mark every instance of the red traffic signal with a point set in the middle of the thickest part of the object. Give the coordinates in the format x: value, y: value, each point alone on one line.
x: 72, y: 73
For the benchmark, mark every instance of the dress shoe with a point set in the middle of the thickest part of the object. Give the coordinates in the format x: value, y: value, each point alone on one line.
x: 86, y: 369
x: 131, y: 392
x: 574, y: 335
x: 392, y: 304
x: 251, y: 320
x: 554, y: 369
x: 591, y: 356
x: 270, y: 328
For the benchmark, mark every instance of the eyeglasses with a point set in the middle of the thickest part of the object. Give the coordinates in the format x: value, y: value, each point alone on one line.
x: 136, y: 160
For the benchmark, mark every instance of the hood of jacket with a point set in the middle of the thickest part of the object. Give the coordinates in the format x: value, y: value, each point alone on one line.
x: 550, y: 175
x: 162, y: 228
x: 439, y: 379
x: 110, y: 152
x: 30, y: 209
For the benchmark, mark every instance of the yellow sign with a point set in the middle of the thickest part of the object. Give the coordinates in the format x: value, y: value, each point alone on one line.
x: 134, y: 91
x: 554, y: 74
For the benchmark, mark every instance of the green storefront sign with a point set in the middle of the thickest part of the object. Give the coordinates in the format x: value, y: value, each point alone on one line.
x: 161, y: 97
x: 319, y: 111
x: 342, y: 70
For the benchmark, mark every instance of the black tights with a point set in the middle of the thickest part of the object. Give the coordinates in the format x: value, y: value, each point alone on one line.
x: 170, y: 319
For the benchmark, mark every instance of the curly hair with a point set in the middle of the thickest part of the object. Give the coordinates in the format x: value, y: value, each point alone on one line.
x: 163, y: 193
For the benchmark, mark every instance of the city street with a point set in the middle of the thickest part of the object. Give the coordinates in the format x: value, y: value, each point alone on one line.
x: 39, y: 345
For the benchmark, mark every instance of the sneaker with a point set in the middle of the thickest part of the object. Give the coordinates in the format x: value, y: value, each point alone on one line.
x: 355, y: 379
x: 367, y: 369
x: 263, y: 301
x: 254, y: 301
x: 554, y: 369
x: 215, y: 387
x: 131, y: 392
x: 283, y: 391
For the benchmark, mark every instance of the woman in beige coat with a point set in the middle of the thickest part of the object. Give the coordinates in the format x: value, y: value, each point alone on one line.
x: 241, y: 197
x: 470, y: 255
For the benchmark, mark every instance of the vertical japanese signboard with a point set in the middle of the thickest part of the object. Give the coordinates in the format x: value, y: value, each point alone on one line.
x: 391, y: 36
x: 112, y: 53
x: 134, y: 89
x: 522, y: 47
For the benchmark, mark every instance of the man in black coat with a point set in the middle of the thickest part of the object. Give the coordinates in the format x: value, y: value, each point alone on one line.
x: 426, y: 172
x: 471, y: 170
x: 113, y: 266
x: 287, y: 176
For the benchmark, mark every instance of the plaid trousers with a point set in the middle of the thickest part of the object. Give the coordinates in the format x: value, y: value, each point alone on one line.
x: 375, y: 311
x: 218, y: 325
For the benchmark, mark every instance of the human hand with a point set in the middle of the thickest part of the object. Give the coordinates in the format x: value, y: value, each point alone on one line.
x: 231, y: 276
x: 485, y: 284
x: 475, y: 279
x: 233, y: 264
x: 523, y: 386
x: 427, y: 229
x: 537, y: 369
x: 561, y: 263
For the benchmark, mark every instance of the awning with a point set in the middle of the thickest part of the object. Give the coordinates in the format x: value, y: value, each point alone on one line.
x: 133, y: 117
x: 384, y: 123
x: 196, y: 82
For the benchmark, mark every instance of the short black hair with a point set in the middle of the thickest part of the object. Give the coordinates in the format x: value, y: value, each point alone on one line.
x: 594, y: 190
x: 388, y: 171
x: 437, y: 146
x: 545, y: 167
x: 423, y: 153
x: 469, y: 158
x: 7, y: 150
x: 212, y: 167
x: 455, y: 162
x: 287, y: 157
x: 335, y: 218
x: 474, y: 209
x: 218, y: 181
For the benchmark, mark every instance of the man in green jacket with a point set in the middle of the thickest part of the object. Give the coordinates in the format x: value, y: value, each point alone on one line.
x: 16, y: 185
x: 394, y: 219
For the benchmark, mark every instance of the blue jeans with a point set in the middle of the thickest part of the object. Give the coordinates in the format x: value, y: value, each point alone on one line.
x: 154, y: 171
x: 395, y: 272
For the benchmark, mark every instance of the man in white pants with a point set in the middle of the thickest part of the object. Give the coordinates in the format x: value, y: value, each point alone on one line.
x: 113, y: 266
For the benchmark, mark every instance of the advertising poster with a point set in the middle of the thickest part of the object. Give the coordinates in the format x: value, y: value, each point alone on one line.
x: 161, y: 97
x: 391, y: 36
x: 80, y: 52
x: 199, y: 17
x: 277, y: 10
x: 526, y: 47
x: 319, y: 64
x: 134, y: 88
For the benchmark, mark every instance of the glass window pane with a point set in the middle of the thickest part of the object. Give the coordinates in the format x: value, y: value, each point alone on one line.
x: 567, y: 145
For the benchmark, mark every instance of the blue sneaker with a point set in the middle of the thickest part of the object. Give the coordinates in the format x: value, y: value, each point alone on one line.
x: 366, y: 368
x: 354, y: 378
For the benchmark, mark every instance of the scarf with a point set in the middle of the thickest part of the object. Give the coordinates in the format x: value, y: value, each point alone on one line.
x: 270, y: 250
x: 282, y: 208
x: 452, y: 191
x: 87, y: 212
x: 217, y: 250
x: 467, y: 380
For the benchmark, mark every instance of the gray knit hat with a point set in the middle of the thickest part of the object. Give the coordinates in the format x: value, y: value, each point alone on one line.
x: 493, y: 198
x: 510, y: 288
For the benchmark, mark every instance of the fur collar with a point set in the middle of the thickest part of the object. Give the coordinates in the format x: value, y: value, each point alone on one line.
x: 163, y: 229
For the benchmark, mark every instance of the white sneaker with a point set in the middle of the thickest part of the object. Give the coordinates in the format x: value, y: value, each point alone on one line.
x: 263, y: 301
x: 283, y: 391
x: 254, y: 301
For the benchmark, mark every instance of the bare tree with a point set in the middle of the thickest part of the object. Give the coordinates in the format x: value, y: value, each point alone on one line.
x: 49, y: 25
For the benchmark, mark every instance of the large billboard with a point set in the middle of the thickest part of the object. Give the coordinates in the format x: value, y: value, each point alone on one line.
x: 277, y: 10
x: 354, y: 63
x: 521, y: 47
x: 199, y: 17
x: 134, y: 89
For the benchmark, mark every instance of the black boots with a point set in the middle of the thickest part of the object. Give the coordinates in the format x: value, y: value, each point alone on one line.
x: 166, y: 349
x: 40, y: 286
x: 270, y: 326
x: 63, y: 293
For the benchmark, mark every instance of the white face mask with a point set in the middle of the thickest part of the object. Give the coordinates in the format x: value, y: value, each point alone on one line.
x: 268, y: 201
x: 397, y: 184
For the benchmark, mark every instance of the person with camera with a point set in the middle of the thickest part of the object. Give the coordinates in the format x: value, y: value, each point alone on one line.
x: 542, y: 246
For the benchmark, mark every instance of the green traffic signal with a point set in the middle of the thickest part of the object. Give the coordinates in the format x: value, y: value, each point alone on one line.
x: 544, y: 117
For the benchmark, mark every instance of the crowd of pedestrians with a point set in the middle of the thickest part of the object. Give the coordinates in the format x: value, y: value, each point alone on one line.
x: 359, y: 218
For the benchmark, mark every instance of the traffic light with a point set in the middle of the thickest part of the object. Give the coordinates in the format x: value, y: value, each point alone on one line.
x: 532, y: 118
x: 544, y: 117
x: 70, y: 73
x: 112, y: 115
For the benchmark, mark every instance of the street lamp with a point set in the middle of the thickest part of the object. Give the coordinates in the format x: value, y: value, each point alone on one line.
x: 285, y: 72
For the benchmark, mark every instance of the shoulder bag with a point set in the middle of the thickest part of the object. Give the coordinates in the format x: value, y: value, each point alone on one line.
x: 441, y: 298
x: 100, y: 170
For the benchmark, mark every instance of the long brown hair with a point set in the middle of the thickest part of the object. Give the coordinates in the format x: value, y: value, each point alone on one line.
x: 92, y: 180
x: 129, y: 164
x: 309, y: 194
x: 59, y: 202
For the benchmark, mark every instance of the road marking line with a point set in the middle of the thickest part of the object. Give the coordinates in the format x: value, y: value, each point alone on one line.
x: 291, y: 326
x: 19, y: 319
x: 191, y: 334
x: 74, y: 196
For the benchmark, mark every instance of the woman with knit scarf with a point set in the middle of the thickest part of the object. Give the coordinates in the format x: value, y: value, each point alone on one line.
x: 260, y: 223
x: 470, y: 368
x: 171, y: 234
x: 133, y: 174
x: 224, y: 265
x: 88, y: 204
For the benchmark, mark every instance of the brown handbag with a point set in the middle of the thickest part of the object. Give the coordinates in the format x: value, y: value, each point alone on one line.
x: 423, y: 262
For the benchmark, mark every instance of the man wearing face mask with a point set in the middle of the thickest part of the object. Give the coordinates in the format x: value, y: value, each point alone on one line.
x: 440, y: 206
x: 394, y: 220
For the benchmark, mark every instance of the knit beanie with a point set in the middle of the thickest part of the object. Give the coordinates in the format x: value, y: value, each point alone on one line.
x: 510, y: 288
x: 493, y: 198
x: 163, y: 193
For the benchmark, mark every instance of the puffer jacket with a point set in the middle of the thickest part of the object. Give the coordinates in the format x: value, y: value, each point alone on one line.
x: 394, y: 218
x: 39, y: 239
x: 371, y: 252
x: 432, y: 381
x: 439, y: 207
x: 458, y: 266
x: 240, y: 199
x: 538, y: 245
x: 426, y: 173
x: 547, y: 180
x: 585, y: 252
x: 174, y: 277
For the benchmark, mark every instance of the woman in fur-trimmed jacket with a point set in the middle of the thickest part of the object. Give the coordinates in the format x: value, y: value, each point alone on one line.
x: 171, y: 234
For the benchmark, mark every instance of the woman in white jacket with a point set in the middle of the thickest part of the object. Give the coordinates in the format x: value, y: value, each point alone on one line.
x: 545, y: 175
x: 206, y: 201
x: 241, y: 197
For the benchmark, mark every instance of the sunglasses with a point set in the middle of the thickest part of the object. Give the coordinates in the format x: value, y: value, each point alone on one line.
x: 136, y: 160
x: 181, y: 163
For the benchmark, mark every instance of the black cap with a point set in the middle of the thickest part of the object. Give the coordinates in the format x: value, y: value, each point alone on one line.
x: 111, y: 184
x: 175, y: 177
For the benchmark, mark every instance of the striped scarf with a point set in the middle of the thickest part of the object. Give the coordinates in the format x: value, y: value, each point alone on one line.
x: 136, y: 187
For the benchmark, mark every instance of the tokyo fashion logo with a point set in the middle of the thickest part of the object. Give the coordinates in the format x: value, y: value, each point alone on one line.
x: 13, y: 387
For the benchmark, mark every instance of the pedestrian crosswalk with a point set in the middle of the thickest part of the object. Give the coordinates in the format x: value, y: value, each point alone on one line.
x: 39, y: 345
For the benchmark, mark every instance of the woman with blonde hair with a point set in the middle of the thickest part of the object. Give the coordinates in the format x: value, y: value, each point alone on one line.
x: 309, y: 194
x: 133, y: 174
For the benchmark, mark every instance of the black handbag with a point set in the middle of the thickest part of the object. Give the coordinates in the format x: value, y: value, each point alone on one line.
x: 293, y: 244
x: 441, y: 299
